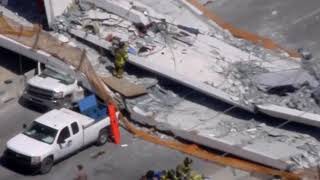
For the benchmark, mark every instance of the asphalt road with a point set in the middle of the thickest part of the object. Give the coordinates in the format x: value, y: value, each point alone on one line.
x: 117, y: 163
x: 292, y: 23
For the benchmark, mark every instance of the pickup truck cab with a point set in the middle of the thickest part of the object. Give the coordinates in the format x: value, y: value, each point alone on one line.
x: 55, y: 135
x: 52, y: 88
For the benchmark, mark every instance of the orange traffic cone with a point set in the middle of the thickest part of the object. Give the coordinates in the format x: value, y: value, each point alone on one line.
x: 114, y: 123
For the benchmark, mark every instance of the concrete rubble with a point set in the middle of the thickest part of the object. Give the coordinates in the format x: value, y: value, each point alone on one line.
x: 213, y: 59
x: 204, y: 122
x: 231, y: 76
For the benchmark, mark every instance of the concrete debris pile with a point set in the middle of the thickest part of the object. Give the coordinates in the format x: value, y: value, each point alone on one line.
x: 204, y: 55
x: 167, y: 38
x: 238, y: 74
x: 173, y: 112
x: 283, y: 82
x: 158, y: 100
x: 240, y: 81
x: 306, y: 94
x: 295, y: 88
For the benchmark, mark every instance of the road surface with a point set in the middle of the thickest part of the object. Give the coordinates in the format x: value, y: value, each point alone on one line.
x: 292, y: 23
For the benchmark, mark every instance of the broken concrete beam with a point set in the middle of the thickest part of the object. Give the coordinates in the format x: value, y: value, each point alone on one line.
x: 284, y: 80
x: 55, y: 8
x: 144, y: 64
x: 233, y: 149
x: 124, y: 87
x: 141, y: 116
x: 191, y: 7
x: 38, y: 55
x: 290, y: 114
x: 41, y: 57
x: 122, y: 9
x: 249, y: 152
x: 138, y: 115
x: 196, y: 85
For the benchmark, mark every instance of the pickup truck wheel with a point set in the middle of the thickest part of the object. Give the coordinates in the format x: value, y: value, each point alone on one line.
x: 103, y: 137
x: 46, y: 165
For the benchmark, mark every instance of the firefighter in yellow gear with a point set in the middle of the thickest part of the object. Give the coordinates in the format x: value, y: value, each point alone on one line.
x: 183, y: 171
x: 121, y: 57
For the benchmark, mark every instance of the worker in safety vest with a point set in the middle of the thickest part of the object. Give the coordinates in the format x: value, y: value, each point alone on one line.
x: 121, y: 57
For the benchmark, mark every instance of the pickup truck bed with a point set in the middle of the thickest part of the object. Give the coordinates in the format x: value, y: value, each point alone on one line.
x: 91, y: 127
x: 83, y: 120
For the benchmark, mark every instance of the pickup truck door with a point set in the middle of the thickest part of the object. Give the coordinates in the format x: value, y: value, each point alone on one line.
x: 67, y: 143
x: 77, y: 136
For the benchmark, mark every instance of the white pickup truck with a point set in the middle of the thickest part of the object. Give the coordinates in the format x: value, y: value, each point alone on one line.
x: 53, y: 136
x: 52, y: 88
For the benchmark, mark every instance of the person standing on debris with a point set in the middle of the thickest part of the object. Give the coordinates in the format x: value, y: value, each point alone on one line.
x: 121, y: 57
x: 81, y: 174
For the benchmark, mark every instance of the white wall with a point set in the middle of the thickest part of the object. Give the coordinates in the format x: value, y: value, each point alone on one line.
x: 55, y: 8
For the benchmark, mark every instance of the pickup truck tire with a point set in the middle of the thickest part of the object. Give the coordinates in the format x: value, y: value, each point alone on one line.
x: 103, y: 137
x: 46, y: 165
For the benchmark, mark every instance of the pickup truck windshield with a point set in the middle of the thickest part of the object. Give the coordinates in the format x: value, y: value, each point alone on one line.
x: 64, y: 78
x: 41, y: 132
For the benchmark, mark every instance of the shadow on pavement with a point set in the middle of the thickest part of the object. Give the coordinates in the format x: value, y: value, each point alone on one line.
x: 32, y: 106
